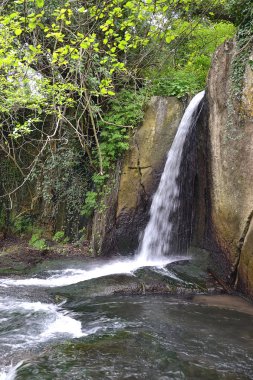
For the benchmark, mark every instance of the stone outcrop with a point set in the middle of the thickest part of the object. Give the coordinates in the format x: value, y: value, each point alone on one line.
x: 230, y: 128
x: 221, y: 172
x: 141, y: 170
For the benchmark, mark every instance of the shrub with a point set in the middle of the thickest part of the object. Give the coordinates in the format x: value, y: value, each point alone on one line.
x: 59, y: 237
x: 37, y: 241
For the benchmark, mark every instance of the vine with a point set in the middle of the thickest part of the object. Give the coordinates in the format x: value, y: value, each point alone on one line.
x: 242, y: 10
x: 244, y: 43
x: 126, y: 112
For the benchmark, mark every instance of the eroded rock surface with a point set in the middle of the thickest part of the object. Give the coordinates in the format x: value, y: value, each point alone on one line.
x: 231, y: 166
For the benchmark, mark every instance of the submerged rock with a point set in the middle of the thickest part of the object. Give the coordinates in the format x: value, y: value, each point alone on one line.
x: 179, y: 278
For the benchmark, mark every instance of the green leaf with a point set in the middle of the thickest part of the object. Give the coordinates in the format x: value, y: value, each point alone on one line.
x: 40, y: 3
x: 18, y: 31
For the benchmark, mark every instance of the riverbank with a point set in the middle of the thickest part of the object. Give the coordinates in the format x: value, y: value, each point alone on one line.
x: 17, y: 256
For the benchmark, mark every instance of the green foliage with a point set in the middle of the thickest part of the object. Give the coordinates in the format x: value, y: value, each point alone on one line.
x: 126, y: 109
x: 22, y: 224
x: 244, y: 44
x: 125, y: 113
x: 59, y: 237
x: 178, y: 83
x: 186, y: 74
x: 241, y: 11
x: 92, y: 56
x: 65, y: 46
x: 40, y: 3
x: 2, y: 218
x: 37, y: 241
x: 62, y: 185
x: 90, y: 204
x: 72, y: 86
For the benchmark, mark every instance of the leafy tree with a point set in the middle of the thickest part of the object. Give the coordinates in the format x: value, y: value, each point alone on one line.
x: 186, y: 72
x: 241, y: 11
x: 63, y: 62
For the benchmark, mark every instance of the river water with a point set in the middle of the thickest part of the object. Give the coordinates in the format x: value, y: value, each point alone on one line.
x: 52, y: 332
x: 67, y: 321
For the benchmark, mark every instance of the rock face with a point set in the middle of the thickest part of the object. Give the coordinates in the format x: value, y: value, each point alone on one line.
x: 140, y: 174
x: 222, y: 168
x: 230, y: 127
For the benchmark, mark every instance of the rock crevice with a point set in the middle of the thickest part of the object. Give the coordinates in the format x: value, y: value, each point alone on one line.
x: 140, y: 168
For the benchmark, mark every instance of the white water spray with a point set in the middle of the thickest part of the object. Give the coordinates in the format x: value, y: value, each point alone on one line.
x: 157, y: 235
x: 10, y: 373
x: 100, y: 269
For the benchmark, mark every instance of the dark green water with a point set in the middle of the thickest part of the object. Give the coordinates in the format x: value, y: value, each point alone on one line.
x: 151, y: 338
x: 120, y: 337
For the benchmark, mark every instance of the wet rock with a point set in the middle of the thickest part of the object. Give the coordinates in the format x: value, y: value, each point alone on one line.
x: 142, y: 168
x: 228, y: 231
x: 175, y: 280
x: 225, y: 302
x: 116, y: 229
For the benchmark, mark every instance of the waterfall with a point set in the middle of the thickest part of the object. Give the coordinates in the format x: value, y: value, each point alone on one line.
x: 158, y: 234
x: 157, y: 238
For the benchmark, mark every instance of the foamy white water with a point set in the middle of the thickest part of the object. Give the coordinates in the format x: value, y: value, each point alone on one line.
x: 10, y: 372
x: 74, y: 276
x: 157, y: 235
x: 63, y: 324
x: 40, y: 322
x: 31, y: 323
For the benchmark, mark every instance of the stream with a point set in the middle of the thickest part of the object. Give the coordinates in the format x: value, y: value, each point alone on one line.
x: 50, y: 331
x: 131, y: 318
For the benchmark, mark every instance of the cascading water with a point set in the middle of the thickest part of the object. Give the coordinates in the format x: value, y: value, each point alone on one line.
x: 89, y: 335
x: 157, y: 236
x: 54, y: 322
x: 158, y: 233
